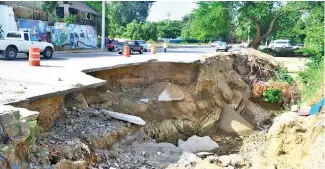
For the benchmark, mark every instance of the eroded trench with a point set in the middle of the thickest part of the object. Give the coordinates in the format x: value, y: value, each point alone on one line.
x: 210, y: 97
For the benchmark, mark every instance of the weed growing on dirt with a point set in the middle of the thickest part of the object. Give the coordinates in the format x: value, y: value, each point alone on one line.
x: 311, y: 80
x: 272, y: 95
x: 282, y: 75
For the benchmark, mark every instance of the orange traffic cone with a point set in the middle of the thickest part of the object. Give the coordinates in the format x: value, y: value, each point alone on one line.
x: 126, y: 51
x: 153, y: 49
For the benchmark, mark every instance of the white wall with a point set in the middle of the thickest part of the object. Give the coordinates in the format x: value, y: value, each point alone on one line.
x: 7, y: 19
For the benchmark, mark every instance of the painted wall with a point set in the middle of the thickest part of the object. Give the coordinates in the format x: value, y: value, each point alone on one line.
x: 7, y: 20
x: 33, y: 26
x: 62, y: 34
x: 73, y: 35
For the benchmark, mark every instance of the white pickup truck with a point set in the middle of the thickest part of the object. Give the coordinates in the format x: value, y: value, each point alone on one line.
x: 20, y: 42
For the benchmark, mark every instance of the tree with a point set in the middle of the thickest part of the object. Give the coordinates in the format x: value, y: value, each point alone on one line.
x: 169, y: 29
x: 149, y: 31
x: 266, y: 17
x: 49, y: 6
x: 124, y: 12
x: 211, y: 20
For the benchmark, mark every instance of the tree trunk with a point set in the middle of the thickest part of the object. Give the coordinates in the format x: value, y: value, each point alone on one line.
x: 258, y: 38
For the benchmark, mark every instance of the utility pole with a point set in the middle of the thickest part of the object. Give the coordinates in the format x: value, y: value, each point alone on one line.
x: 168, y: 14
x: 103, y: 25
x: 249, y: 28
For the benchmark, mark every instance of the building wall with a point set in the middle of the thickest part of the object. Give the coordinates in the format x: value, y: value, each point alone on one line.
x: 7, y: 21
x: 62, y: 34
x: 34, y: 26
x: 74, y: 36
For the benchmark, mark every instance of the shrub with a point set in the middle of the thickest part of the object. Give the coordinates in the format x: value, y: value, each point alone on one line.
x: 272, y: 95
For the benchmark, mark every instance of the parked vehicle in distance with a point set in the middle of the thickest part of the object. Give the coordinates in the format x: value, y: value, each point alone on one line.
x: 298, y: 46
x: 222, y: 46
x: 110, y: 45
x: 133, y: 45
x: 20, y: 42
x: 143, y: 44
x: 279, y: 44
x: 214, y: 43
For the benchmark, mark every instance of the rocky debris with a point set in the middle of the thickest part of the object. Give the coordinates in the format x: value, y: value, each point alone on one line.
x: 138, y: 150
x: 125, y: 117
x: 75, y: 101
x: 196, y: 144
x: 171, y: 93
x: 233, y: 123
x: 294, y: 108
x: 232, y: 159
x: 66, y: 164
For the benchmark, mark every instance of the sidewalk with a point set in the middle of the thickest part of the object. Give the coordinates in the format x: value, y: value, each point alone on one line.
x: 89, y: 50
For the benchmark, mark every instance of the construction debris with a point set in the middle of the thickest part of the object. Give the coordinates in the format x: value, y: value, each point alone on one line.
x: 125, y: 117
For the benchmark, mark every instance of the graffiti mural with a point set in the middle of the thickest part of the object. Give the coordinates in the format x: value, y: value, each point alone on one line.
x: 73, y: 35
x: 62, y: 34
x: 34, y: 26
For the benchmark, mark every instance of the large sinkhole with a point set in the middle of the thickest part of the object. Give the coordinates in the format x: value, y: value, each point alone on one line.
x: 177, y: 101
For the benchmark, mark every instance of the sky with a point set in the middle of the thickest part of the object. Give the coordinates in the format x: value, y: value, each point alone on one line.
x: 178, y: 9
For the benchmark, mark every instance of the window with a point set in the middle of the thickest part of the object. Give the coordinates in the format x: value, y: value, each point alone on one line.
x: 60, y: 12
x: 283, y: 42
x: 141, y: 42
x: 26, y: 37
x: 130, y: 42
x: 88, y: 16
x: 34, y: 38
x: 13, y: 35
x: 73, y: 11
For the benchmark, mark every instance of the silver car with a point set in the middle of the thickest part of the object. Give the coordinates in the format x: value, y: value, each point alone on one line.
x: 222, y: 46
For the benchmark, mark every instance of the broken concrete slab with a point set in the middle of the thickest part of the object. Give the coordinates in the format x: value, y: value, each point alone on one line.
x: 196, y: 144
x: 171, y: 93
x: 233, y: 123
x: 125, y: 117
x: 24, y: 114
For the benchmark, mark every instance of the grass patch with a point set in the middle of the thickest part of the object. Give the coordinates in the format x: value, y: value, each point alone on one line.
x: 310, y: 81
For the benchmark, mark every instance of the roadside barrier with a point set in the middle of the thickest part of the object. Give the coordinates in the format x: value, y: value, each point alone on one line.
x: 34, y: 58
x: 126, y: 51
x: 153, y: 49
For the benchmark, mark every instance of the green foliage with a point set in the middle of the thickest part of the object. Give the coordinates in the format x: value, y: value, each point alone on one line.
x: 311, y: 81
x: 169, y: 29
x: 312, y: 78
x: 70, y: 19
x: 211, y: 21
x: 272, y: 95
x: 49, y: 6
x: 124, y: 12
x: 281, y: 74
x: 143, y: 31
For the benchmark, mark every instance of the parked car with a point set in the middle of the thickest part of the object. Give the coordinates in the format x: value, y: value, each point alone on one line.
x: 143, y: 44
x: 20, y: 42
x: 279, y: 44
x: 222, y: 46
x: 298, y: 46
x: 214, y: 43
x: 133, y: 45
x: 110, y: 45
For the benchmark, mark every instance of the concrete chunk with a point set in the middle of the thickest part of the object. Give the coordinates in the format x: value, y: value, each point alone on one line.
x: 171, y: 93
x: 198, y: 144
x: 233, y: 123
x: 125, y: 117
x: 23, y: 113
